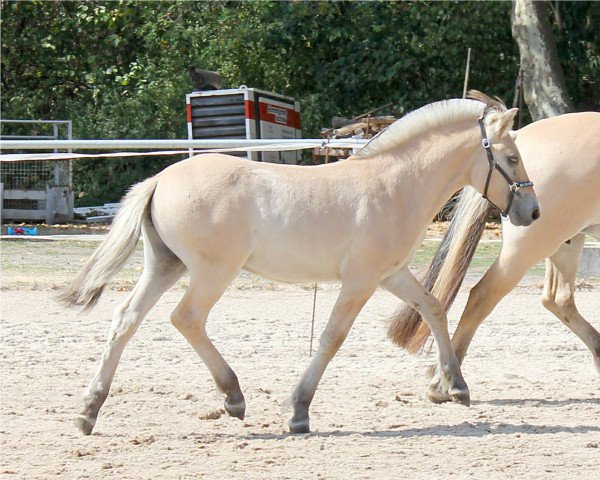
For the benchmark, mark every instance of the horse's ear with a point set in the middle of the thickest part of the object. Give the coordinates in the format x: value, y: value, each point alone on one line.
x: 501, y: 123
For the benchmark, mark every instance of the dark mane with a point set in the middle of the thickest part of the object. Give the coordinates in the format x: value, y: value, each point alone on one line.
x: 490, y: 103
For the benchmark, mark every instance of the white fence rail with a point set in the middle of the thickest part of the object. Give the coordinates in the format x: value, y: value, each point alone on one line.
x: 157, y: 147
x: 176, y: 144
x: 162, y: 147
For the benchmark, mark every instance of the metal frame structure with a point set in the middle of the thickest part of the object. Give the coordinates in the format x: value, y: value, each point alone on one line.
x: 245, y: 113
x: 40, y: 190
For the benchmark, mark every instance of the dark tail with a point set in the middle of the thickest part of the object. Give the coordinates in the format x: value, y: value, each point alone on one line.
x: 446, y: 271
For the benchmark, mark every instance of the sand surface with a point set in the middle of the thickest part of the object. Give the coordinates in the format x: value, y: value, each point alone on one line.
x: 535, y: 410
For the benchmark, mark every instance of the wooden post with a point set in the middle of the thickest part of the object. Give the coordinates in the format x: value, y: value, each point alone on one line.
x: 467, y: 73
x: 518, y: 95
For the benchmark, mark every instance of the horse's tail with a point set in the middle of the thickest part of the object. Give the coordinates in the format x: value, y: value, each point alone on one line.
x: 446, y: 271
x: 113, y: 252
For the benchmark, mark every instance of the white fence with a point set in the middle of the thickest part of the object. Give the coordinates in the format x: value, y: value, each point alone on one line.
x: 163, y: 147
x: 156, y: 147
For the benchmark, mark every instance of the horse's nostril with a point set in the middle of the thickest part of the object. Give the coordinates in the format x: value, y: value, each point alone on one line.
x: 535, y: 214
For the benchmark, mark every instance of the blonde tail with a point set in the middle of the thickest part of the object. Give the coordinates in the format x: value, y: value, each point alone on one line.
x: 446, y: 271
x: 113, y: 252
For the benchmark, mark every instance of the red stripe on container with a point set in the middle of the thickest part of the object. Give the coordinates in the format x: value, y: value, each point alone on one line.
x: 297, y: 120
x: 249, y: 109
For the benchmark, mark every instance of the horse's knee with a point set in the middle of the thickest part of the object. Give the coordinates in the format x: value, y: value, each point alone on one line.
x: 477, y: 295
x: 182, y: 320
x: 437, y: 310
x: 125, y: 322
x: 332, y: 339
x: 548, y: 302
x: 432, y: 310
x: 557, y: 301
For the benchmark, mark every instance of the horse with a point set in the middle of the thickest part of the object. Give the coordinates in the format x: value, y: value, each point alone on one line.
x: 358, y: 222
x: 562, y: 156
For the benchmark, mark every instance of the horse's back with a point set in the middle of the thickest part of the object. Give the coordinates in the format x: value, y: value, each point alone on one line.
x: 562, y: 158
x: 572, y: 138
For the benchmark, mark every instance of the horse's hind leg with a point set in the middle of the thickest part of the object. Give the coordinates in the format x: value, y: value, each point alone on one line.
x: 161, y: 270
x: 504, y: 274
x: 558, y: 295
x: 206, y: 287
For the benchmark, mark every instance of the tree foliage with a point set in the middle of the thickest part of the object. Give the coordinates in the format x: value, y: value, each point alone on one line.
x: 119, y: 69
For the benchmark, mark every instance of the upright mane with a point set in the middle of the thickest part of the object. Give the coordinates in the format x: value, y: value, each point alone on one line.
x: 429, y: 117
x: 490, y: 103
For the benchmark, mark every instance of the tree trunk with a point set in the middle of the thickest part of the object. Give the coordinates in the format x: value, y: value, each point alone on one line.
x: 544, y: 87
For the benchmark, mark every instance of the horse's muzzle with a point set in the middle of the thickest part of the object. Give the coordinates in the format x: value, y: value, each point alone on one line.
x: 525, y: 211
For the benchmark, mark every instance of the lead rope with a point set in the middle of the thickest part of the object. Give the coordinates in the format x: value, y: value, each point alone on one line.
x: 312, y: 323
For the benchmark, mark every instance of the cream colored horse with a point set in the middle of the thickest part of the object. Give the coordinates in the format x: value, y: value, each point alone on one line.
x: 358, y: 222
x: 562, y: 157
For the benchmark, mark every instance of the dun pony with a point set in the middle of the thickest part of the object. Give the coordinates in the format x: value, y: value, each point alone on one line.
x: 357, y: 222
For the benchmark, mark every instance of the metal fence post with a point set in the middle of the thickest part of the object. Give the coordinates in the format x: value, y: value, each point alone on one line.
x: 1, y: 200
x: 49, y: 205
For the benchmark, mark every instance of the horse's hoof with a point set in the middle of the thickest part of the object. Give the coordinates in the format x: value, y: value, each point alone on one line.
x: 460, y: 396
x: 84, y: 424
x: 435, y: 396
x: 299, y: 427
x: 237, y: 410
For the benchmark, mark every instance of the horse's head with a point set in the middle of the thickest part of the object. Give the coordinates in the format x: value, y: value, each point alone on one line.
x: 499, y: 173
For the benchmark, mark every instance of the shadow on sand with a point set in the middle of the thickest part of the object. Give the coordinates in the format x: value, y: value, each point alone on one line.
x: 464, y: 429
x: 542, y: 402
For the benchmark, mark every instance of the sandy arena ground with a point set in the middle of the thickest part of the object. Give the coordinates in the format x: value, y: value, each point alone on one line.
x: 535, y: 412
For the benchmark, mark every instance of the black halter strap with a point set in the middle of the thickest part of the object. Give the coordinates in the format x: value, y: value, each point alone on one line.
x: 514, y: 186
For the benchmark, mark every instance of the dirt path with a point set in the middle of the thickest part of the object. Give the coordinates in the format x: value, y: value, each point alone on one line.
x: 535, y: 411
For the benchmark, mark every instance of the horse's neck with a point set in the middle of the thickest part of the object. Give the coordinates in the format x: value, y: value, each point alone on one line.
x: 439, y: 162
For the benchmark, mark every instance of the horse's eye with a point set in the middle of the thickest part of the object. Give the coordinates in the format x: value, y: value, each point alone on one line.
x: 513, y: 159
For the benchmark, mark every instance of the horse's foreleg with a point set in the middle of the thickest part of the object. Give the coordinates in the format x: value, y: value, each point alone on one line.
x: 155, y: 280
x: 190, y: 319
x: 347, y: 306
x: 504, y: 274
x: 448, y: 382
x: 558, y: 295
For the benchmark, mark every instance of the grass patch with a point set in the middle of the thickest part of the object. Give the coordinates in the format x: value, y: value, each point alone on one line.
x: 52, y: 262
x: 55, y: 262
x: 485, y: 255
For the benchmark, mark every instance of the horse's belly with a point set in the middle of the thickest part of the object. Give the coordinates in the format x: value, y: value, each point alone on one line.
x: 294, y: 265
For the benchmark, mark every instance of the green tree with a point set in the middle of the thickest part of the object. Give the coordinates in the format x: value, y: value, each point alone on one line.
x: 119, y: 69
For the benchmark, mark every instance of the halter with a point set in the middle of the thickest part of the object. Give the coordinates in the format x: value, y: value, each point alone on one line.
x: 514, y: 186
